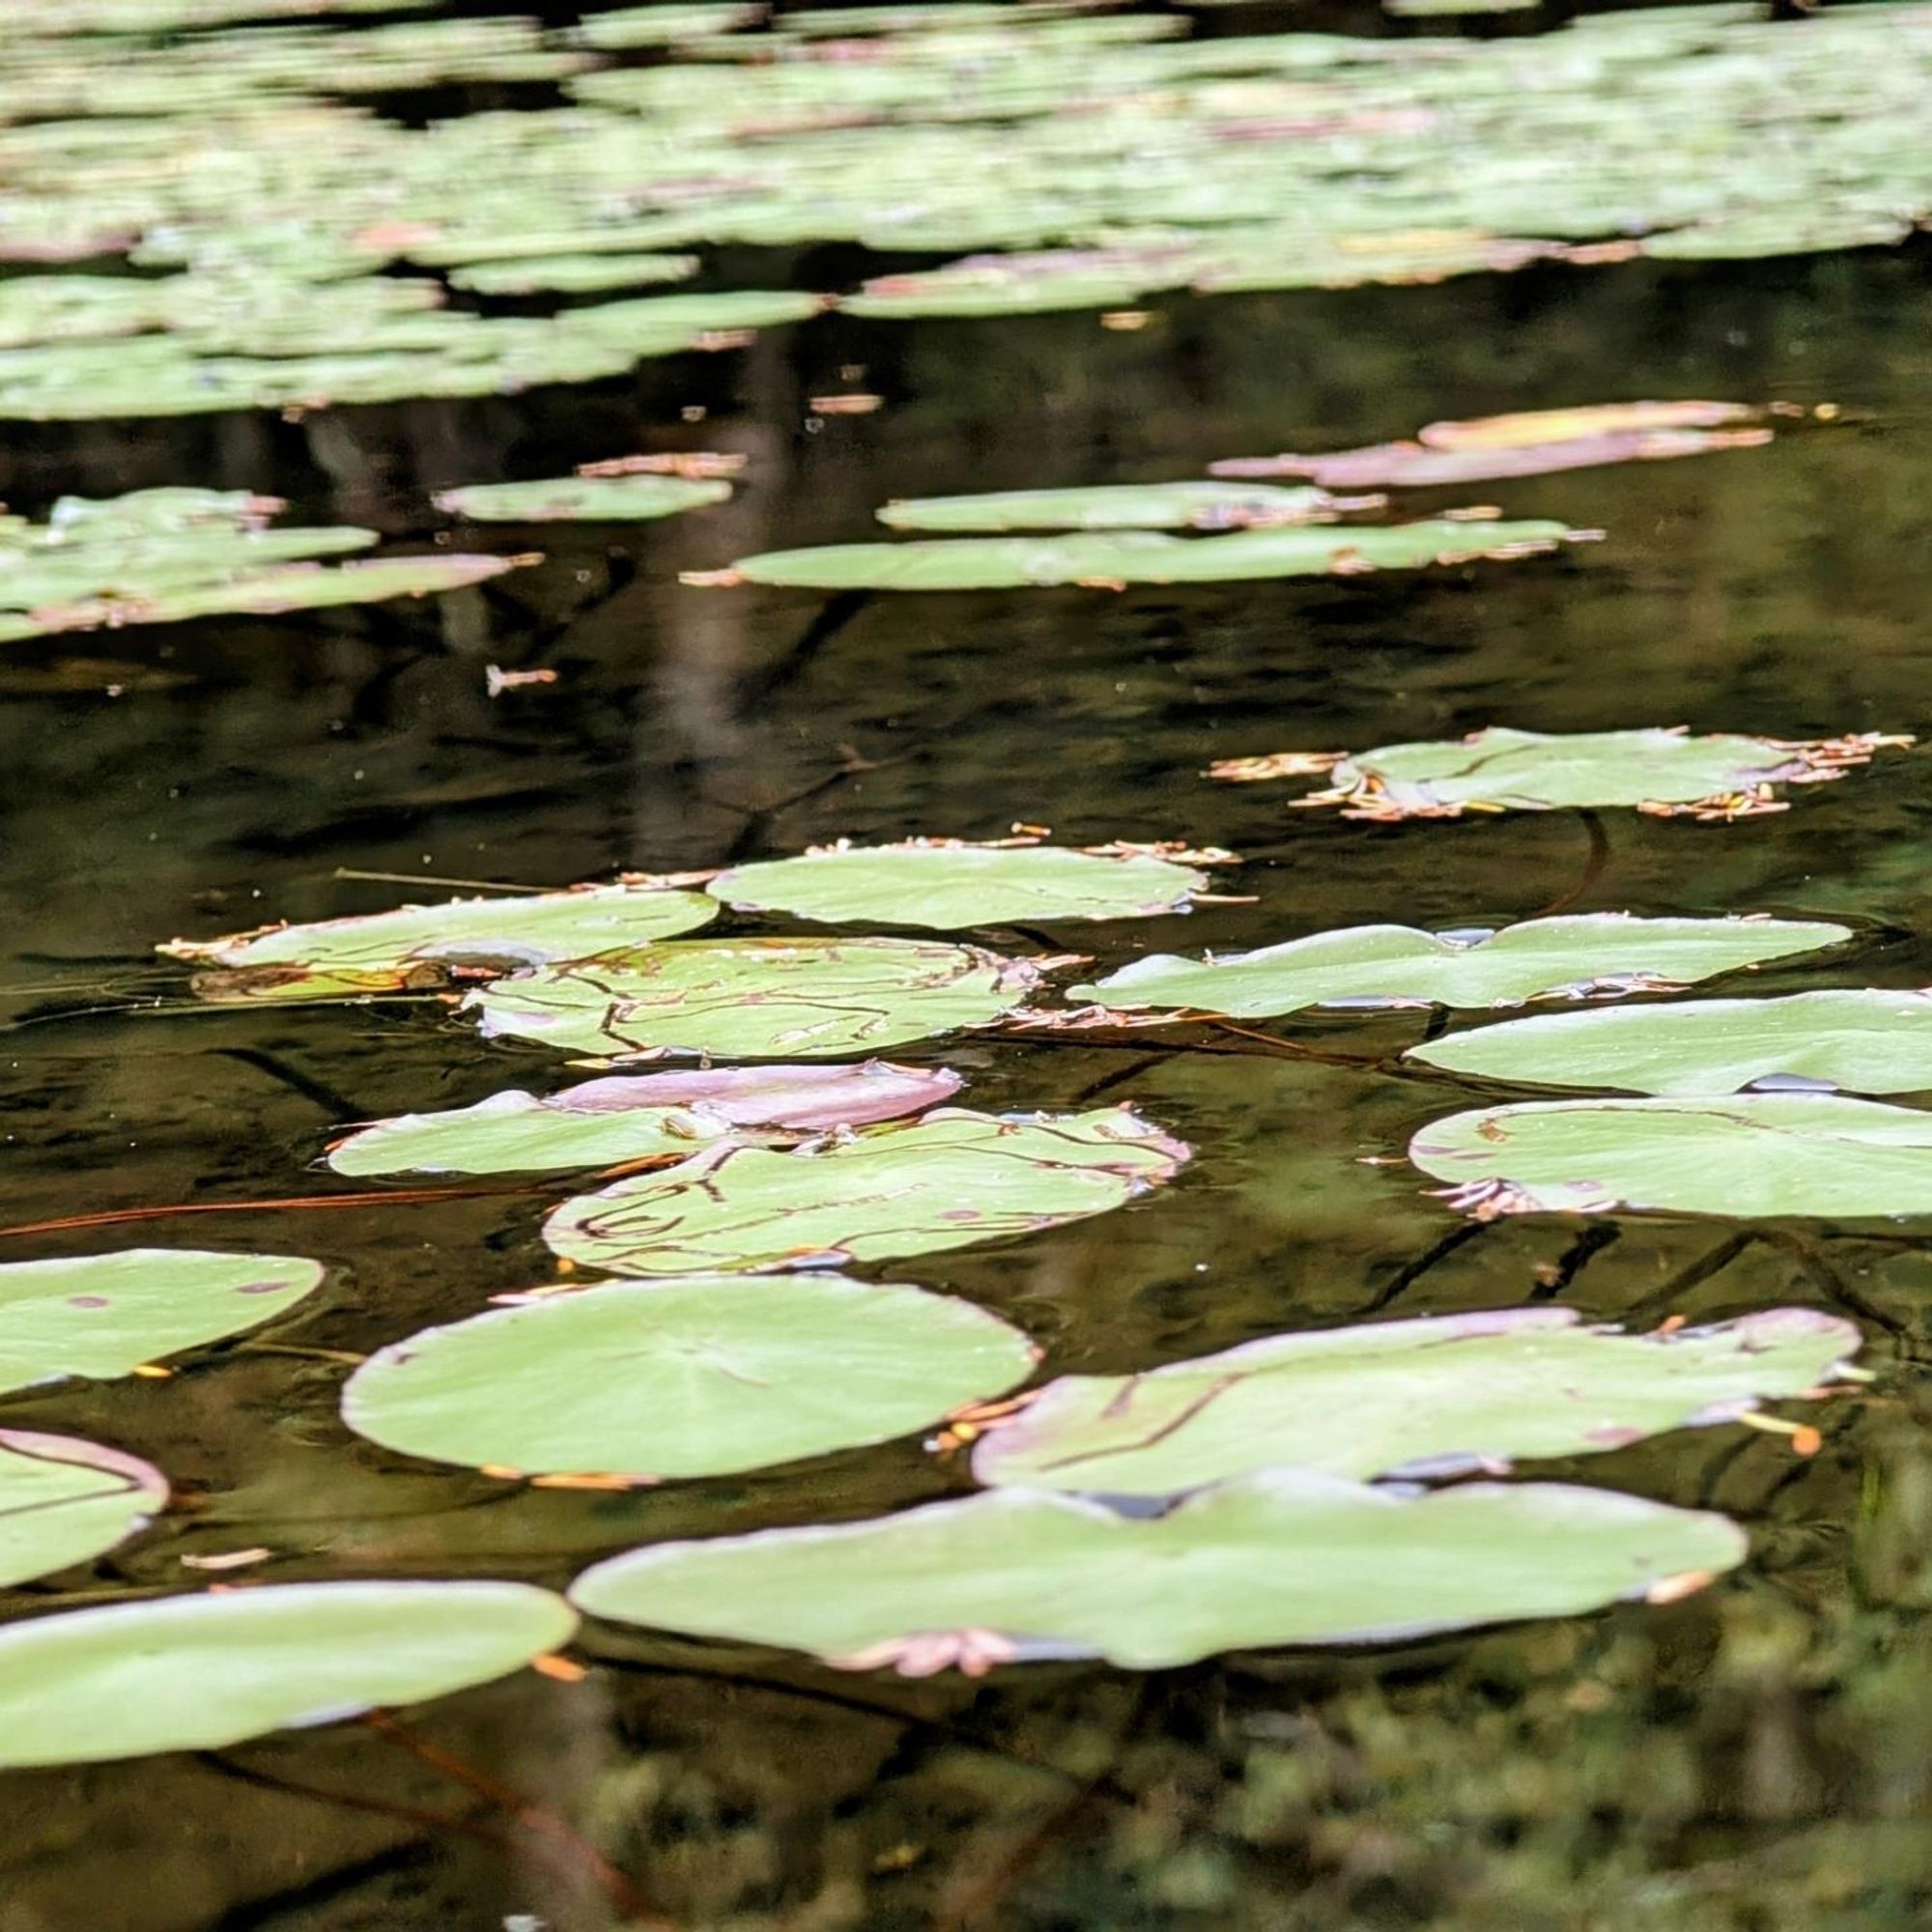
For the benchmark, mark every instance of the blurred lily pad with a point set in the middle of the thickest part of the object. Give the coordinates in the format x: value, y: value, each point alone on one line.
x: 1745, y: 1156
x: 63, y: 1501
x: 706, y: 1376
x: 1574, y: 956
x: 103, y: 1316
x: 1287, y: 1556
x: 570, y: 274
x: 948, y: 1180
x: 757, y: 999
x: 587, y: 499
x: 195, y: 1673
x: 1117, y: 506
x: 1526, y: 428
x: 1436, y: 1397
x: 1664, y: 773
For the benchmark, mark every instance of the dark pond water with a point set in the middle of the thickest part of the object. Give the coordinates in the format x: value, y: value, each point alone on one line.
x: 1754, y: 1756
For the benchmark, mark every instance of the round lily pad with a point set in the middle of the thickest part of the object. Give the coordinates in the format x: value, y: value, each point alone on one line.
x: 1576, y: 956
x: 1117, y: 506
x: 949, y: 883
x: 1287, y: 1556
x: 1865, y: 1039
x: 196, y: 1673
x: 637, y: 1116
x: 63, y: 1500
x: 757, y: 999
x: 951, y: 1180
x: 637, y: 499
x: 103, y: 1316
x: 425, y: 945
x: 702, y: 1376
x: 1664, y: 773
x: 1751, y: 1154
x: 1441, y: 1396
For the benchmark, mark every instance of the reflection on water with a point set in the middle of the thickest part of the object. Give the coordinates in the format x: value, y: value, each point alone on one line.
x: 1751, y: 1756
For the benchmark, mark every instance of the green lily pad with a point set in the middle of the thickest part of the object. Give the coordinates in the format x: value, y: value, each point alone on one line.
x: 1574, y: 956
x: 757, y: 999
x: 63, y: 1501
x: 633, y: 1117
x: 1287, y: 1556
x: 706, y: 1376
x: 197, y: 1673
x: 1865, y: 1039
x: 103, y: 1316
x: 1119, y: 506
x: 1752, y: 1154
x: 428, y: 945
x: 947, y: 1181
x: 1117, y: 557
x: 950, y: 883
x: 1436, y: 1397
x: 1664, y: 773
x: 570, y: 274
x: 586, y: 500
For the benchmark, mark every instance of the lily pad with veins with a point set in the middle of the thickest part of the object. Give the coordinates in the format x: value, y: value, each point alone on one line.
x: 63, y: 1501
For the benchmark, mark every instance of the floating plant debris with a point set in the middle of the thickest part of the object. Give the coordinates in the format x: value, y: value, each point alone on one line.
x: 640, y: 1116
x: 1665, y: 773
x: 589, y: 499
x: 705, y: 1375
x: 948, y: 1180
x: 1122, y: 506
x: 199, y: 1672
x: 63, y: 1501
x: 1751, y: 1154
x: 425, y: 946
x: 758, y: 999
x: 103, y: 1316
x: 1574, y: 956
x: 1437, y: 1397
x: 1863, y: 1040
x: 953, y: 883
x: 1287, y: 1556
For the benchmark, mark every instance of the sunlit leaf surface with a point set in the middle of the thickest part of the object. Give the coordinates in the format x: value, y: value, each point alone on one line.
x: 582, y: 499
x: 1283, y: 1557
x: 700, y: 1376
x: 63, y: 1500
x: 947, y: 1181
x: 1118, y: 506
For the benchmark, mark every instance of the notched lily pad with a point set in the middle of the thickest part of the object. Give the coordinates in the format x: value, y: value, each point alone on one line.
x: 1287, y: 1556
x: 947, y: 1181
x: 589, y: 499
x: 1123, y: 507
x: 1574, y: 956
x: 197, y: 1673
x: 706, y: 1376
x: 1437, y: 1397
x: 1666, y: 774
x: 63, y: 1501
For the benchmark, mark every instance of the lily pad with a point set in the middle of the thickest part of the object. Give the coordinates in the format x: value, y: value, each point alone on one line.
x: 63, y: 1501
x: 947, y: 1181
x: 589, y: 499
x: 1437, y: 1397
x: 951, y: 883
x: 757, y: 999
x: 103, y: 1316
x: 571, y: 274
x: 424, y: 946
x: 706, y: 1376
x: 1666, y: 774
x: 626, y: 1117
x: 197, y: 1673
x: 1119, y: 506
x: 1865, y: 1039
x: 1574, y: 956
x: 1751, y: 1154
x: 1525, y: 428
x: 1287, y: 1556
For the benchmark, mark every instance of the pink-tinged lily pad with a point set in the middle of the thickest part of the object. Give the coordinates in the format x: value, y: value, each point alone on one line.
x: 63, y: 1500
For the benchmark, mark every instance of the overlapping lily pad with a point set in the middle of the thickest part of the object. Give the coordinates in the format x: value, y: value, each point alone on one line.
x: 103, y: 1316
x: 702, y: 1376
x: 1287, y: 1556
x: 1574, y: 956
x: 639, y: 1117
x: 951, y: 883
x: 947, y: 1181
x: 1436, y: 1397
x: 63, y: 1500
x: 1666, y: 774
x: 1122, y: 506
x: 422, y: 945
x: 629, y: 500
x: 1745, y: 1156
x: 1865, y: 1039
x: 196, y: 1673
x: 757, y: 999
